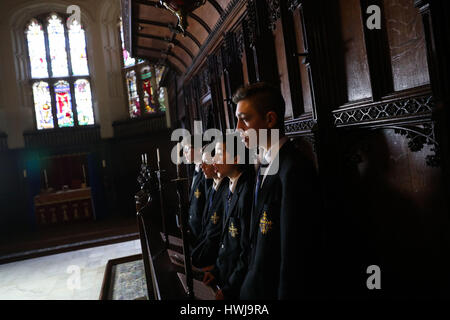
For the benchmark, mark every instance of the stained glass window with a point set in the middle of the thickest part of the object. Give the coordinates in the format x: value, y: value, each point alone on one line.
x: 49, y: 41
x: 84, y: 102
x: 142, y: 82
x: 42, y: 105
x: 133, y: 98
x: 77, y: 45
x: 63, y: 104
x: 36, y: 48
x: 57, y: 45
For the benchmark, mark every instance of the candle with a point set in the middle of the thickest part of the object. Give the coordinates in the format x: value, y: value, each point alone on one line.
x: 157, y: 154
x: 178, y: 153
x: 45, y: 178
x: 104, y: 163
x: 84, y: 173
x: 146, y: 159
x: 142, y: 158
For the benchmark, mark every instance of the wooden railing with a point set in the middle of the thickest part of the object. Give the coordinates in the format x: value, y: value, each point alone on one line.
x: 160, y: 275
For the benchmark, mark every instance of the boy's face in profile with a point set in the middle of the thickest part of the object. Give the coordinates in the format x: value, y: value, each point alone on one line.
x: 208, y: 168
x: 248, y: 117
x: 189, y: 154
x: 220, y: 161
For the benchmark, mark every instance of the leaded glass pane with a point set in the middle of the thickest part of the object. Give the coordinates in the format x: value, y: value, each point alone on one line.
x: 83, y: 98
x: 36, y: 50
x: 147, y: 89
x: 77, y: 44
x: 42, y: 105
x: 63, y: 104
x: 159, y: 73
x: 133, y: 98
x: 57, y: 44
x: 162, y: 99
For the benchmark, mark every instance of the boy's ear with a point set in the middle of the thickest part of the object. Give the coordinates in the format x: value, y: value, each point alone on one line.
x: 271, y: 119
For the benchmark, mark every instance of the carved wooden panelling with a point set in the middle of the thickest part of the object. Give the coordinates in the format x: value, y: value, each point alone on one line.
x: 282, y: 67
x: 396, y: 199
x: 306, y: 88
x: 407, y: 44
x: 299, y: 126
x: 399, y: 109
x: 274, y: 13
x: 355, y: 57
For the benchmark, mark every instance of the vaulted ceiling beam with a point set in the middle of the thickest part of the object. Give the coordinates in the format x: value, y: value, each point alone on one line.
x: 174, y: 41
x: 216, y: 6
x: 162, y: 52
x: 170, y: 27
x: 192, y: 15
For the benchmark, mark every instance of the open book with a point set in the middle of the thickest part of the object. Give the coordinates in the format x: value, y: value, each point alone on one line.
x: 174, y: 241
x: 178, y: 259
x: 201, y: 290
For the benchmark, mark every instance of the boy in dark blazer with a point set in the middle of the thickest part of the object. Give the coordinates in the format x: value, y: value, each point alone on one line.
x: 205, y: 253
x: 231, y: 264
x: 284, y: 234
x: 196, y: 194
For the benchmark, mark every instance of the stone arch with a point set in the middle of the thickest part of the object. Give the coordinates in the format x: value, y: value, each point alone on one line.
x: 109, y: 21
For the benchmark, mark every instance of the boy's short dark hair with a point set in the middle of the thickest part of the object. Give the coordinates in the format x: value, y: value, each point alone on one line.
x: 266, y: 97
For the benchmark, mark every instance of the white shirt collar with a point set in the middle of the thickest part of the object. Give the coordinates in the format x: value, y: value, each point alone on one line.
x: 234, y: 181
x: 270, y: 154
x: 197, y: 168
x: 216, y: 183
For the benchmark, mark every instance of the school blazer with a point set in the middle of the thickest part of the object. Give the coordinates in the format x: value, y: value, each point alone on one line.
x: 232, y: 260
x: 283, y: 229
x: 205, y: 252
x: 196, y: 206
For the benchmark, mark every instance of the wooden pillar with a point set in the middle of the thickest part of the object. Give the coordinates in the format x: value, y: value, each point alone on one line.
x: 436, y: 25
x: 216, y: 92
x: 262, y: 42
x: 377, y: 47
x: 321, y: 36
x: 292, y: 60
x: 327, y: 93
x: 233, y: 74
x: 154, y: 85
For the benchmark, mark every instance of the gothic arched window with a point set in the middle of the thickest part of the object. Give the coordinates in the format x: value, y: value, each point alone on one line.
x: 142, y: 78
x: 59, y: 72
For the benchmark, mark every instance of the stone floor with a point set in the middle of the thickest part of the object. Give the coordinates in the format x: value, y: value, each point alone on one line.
x: 75, y: 275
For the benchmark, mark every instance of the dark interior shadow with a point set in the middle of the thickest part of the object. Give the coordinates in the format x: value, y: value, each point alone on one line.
x: 375, y: 224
